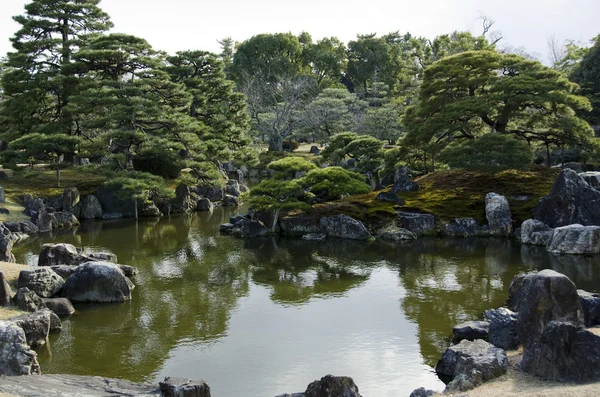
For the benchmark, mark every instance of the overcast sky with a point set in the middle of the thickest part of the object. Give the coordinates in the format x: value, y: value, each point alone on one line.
x: 197, y: 24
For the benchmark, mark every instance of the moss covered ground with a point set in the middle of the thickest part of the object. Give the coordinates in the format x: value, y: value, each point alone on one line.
x: 11, y: 274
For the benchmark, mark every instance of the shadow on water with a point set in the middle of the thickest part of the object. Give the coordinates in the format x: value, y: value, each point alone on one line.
x: 198, y: 291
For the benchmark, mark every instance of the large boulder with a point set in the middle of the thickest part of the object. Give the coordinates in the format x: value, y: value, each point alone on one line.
x: 90, y: 208
x: 64, y: 220
x: 565, y: 352
x: 502, y: 331
x: 575, y: 239
x: 113, y: 205
x: 461, y: 227
x: 27, y: 300
x: 150, y: 210
x: 204, y: 205
x: 592, y: 178
x: 97, y: 282
x: 43, y: 220
x: 497, y: 212
x: 26, y: 227
x: 70, y: 199
x: 184, y: 387
x: 41, y: 280
x: 332, y: 386
x: 590, y: 303
x: 343, y: 226
x: 571, y: 201
x: 62, y: 307
x: 233, y: 188
x: 16, y: 358
x: 250, y: 228
x: 402, y: 181
x: 472, y: 358
x: 534, y: 232
x: 230, y: 201
x: 5, y: 291
x: 299, y: 225
x: 36, y: 326
x: 61, y: 254
x: 419, y: 224
x: 209, y: 192
x: 6, y: 244
x: 396, y: 234
x: 470, y: 330
x: 185, y: 200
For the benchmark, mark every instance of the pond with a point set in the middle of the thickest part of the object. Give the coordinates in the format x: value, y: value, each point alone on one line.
x: 268, y: 316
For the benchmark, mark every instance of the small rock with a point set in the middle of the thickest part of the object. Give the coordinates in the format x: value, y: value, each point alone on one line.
x: 402, y: 181
x: 184, y: 387
x: 343, y: 226
x: 64, y: 220
x: 470, y: 330
x: 390, y: 197
x: 150, y: 210
x: 60, y: 254
x: 27, y: 300
x: 422, y: 392
x: 36, y: 326
x: 503, y: 328
x: 70, y: 198
x: 91, y: 207
x: 6, y: 244
x: 462, y: 227
x: 232, y: 188
x: 314, y: 149
x: 42, y: 280
x: 314, y: 237
x: 535, y: 233
x: 128, y: 271
x: 230, y: 201
x: 2, y: 195
x: 62, y: 307
x: 332, y: 386
x: 299, y: 225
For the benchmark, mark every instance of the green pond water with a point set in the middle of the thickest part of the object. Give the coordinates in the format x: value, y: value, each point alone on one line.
x: 268, y: 316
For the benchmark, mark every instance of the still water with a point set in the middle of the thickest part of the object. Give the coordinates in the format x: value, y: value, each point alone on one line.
x: 268, y: 316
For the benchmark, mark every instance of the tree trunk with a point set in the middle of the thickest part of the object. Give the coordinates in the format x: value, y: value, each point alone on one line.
x: 275, y: 142
x: 378, y: 185
x: 275, y: 219
x: 135, y: 208
x: 548, y: 155
x: 57, y: 177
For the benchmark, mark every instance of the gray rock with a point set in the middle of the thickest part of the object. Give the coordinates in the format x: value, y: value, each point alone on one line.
x: 204, y: 204
x: 343, y: 226
x: 91, y: 207
x: 97, y: 282
x: 103, y: 257
x: 250, y: 228
x: 42, y: 280
x: 61, y: 254
x: 419, y: 224
x: 266, y: 217
x: 534, y: 232
x: 184, y: 201
x: 28, y: 227
x: 36, y: 326
x: 236, y: 218
x: 226, y: 228
x: 63, y: 270
x: 503, y: 328
x: 571, y: 201
x: 402, y: 181
x: 6, y: 244
x: 16, y: 358
x: 232, y: 188
x: 565, y: 352
x: 230, y: 201
x: 299, y: 225
x: 112, y: 204
x: 43, y: 220
x: 396, y: 234
x: 5, y: 291
x: 422, y: 392
x: 462, y: 227
x: 314, y: 237
x: 70, y: 199
x: 150, y: 210
x: 236, y: 175
x: 62, y: 307
x: 470, y: 330
x: 575, y: 239
x: 128, y: 271
x: 184, y: 387
x: 64, y: 220
x: 314, y: 149
x: 590, y: 303
x: 390, y: 197
x: 332, y: 386
x: 592, y: 178
x: 209, y: 192
x: 470, y: 358
x: 497, y: 212
x: 33, y: 206
x: 2, y: 195
x: 111, y: 215
x: 27, y: 300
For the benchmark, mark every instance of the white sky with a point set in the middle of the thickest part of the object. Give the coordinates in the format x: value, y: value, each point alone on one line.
x: 187, y: 24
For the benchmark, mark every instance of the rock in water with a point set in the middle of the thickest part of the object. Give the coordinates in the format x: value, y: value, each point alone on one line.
x: 60, y: 254
x: 184, y: 387
x: 535, y: 233
x: 497, y: 212
x: 97, y: 282
x: 204, y: 204
x: 590, y: 303
x: 36, y: 326
x: 250, y: 228
x: 91, y: 207
x: 396, y: 234
x: 62, y: 307
x: 299, y: 225
x: 503, y: 328
x: 16, y: 358
x: 471, y: 330
x: 64, y: 220
x: 417, y: 223
x: 575, y: 239
x: 462, y: 227
x: 343, y: 226
x: 571, y: 201
x: 42, y: 280
x: 332, y: 386
x: 230, y: 201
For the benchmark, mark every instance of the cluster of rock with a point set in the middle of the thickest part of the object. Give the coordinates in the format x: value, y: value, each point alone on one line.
x: 64, y: 274
x: 547, y: 316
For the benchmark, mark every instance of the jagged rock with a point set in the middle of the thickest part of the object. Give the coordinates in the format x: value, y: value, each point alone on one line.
x: 61, y: 254
x: 184, y: 387
x: 343, y: 226
x: 209, y: 192
x: 503, y: 328
x: 470, y: 330
x: 36, y: 326
x: 422, y: 392
x: 250, y: 228
x: 5, y: 291
x: 575, y: 239
x: 91, y: 207
x: 592, y: 178
x: 534, y: 232
x: 16, y: 358
x: 462, y: 227
x: 43, y: 220
x: 390, y: 197
x: 232, y: 188
x: 230, y: 201
x: 33, y: 206
x: 62, y: 307
x: 236, y: 175
x: 590, y: 303
x: 473, y: 356
x: 497, y: 212
x: 70, y: 199
x: 28, y: 227
x: 314, y: 237
x: 565, y: 352
x: 42, y: 280
x: 150, y: 210
x: 396, y: 234
x: 402, y: 181
x: 332, y: 386
x: 571, y: 201
x: 128, y: 271
x: 419, y: 224
x: 299, y: 225
x: 184, y: 200
x: 6, y: 244
x: 204, y: 204
x: 236, y: 218
x: 27, y: 300
x: 226, y: 228
x: 64, y: 220
x: 314, y: 149
x: 97, y: 282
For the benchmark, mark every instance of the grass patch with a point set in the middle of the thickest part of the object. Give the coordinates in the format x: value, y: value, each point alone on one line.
x: 11, y: 274
x: 16, y: 212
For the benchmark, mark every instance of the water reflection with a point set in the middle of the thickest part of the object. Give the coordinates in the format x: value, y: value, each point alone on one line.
x: 266, y: 316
